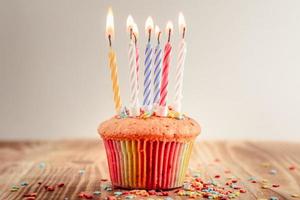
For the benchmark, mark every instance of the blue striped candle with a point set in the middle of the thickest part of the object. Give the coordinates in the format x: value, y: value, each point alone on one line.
x: 147, y: 103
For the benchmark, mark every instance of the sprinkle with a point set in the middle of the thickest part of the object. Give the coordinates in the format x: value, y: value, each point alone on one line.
x: 111, y: 198
x: 42, y: 165
x: 292, y: 167
x: 81, y: 171
x: 103, y: 179
x: 84, y: 195
x: 108, y: 188
x: 60, y: 185
x: 152, y: 192
x: 273, y: 198
x: 266, y: 164
x: 50, y: 188
x: 88, y: 196
x: 265, y: 186
x: 97, y: 192
x: 118, y: 193
x: 146, y: 115
x: 217, y: 176
x: 123, y: 113
x: 275, y: 185
x: 264, y: 181
x: 29, y: 198
x: 130, y: 197
x: 24, y: 183
x: 295, y: 195
x: 242, y: 191
x: 32, y: 194
x: 273, y: 171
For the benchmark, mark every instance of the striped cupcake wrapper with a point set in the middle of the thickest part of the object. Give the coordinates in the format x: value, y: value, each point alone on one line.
x: 147, y: 164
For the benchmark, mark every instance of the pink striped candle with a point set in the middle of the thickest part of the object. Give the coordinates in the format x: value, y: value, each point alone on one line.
x: 163, y: 110
x: 137, y: 53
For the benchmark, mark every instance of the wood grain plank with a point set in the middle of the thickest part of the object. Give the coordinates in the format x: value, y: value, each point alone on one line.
x: 82, y: 164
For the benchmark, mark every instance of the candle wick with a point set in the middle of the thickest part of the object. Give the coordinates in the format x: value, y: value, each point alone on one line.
x: 158, y: 36
x: 169, y: 36
x: 130, y: 34
x: 183, y: 33
x: 109, y: 40
x: 149, y: 36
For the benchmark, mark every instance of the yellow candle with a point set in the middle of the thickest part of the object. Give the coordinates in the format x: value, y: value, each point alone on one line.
x: 114, y: 79
x: 113, y: 61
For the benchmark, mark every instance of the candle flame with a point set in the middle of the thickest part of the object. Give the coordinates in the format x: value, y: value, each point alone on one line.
x: 130, y: 23
x: 181, y: 23
x: 110, y: 23
x: 149, y: 24
x: 169, y: 27
x: 157, y: 30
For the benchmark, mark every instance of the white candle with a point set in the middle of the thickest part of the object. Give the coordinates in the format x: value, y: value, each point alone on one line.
x: 134, y: 102
x: 180, y: 64
x: 157, y: 69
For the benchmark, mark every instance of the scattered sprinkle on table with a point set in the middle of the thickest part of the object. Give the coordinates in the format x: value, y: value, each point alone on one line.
x: 81, y: 171
x: 273, y: 171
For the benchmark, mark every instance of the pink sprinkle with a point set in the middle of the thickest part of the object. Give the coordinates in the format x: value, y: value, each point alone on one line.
x: 242, y: 191
x: 292, y: 167
x: 111, y: 198
x: 61, y: 185
x: 217, y: 176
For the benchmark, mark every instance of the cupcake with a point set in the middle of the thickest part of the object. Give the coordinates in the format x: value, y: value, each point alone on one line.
x: 148, y: 153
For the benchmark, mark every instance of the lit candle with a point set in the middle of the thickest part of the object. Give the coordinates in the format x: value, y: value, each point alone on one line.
x: 180, y: 64
x: 157, y: 68
x: 148, y: 67
x: 113, y: 61
x: 137, y: 53
x: 134, y: 102
x: 163, y: 110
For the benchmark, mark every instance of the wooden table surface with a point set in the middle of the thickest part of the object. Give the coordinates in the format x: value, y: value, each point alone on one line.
x: 28, y: 166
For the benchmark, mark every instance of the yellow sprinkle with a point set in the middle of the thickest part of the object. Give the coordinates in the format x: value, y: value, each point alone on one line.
x: 295, y: 195
x: 264, y: 181
x: 266, y: 165
x: 265, y: 186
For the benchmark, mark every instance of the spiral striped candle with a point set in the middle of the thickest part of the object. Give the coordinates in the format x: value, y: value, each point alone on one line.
x: 165, y: 76
x: 134, y: 110
x: 114, y: 78
x: 157, y: 74
x: 147, y: 75
x: 137, y: 58
x: 179, y: 75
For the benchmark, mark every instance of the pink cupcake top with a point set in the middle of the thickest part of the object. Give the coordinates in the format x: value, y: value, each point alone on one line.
x: 150, y: 128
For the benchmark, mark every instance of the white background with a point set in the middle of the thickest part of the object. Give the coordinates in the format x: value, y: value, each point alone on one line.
x: 241, y: 76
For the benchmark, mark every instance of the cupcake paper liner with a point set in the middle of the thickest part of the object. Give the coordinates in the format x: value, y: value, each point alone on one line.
x: 147, y: 164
